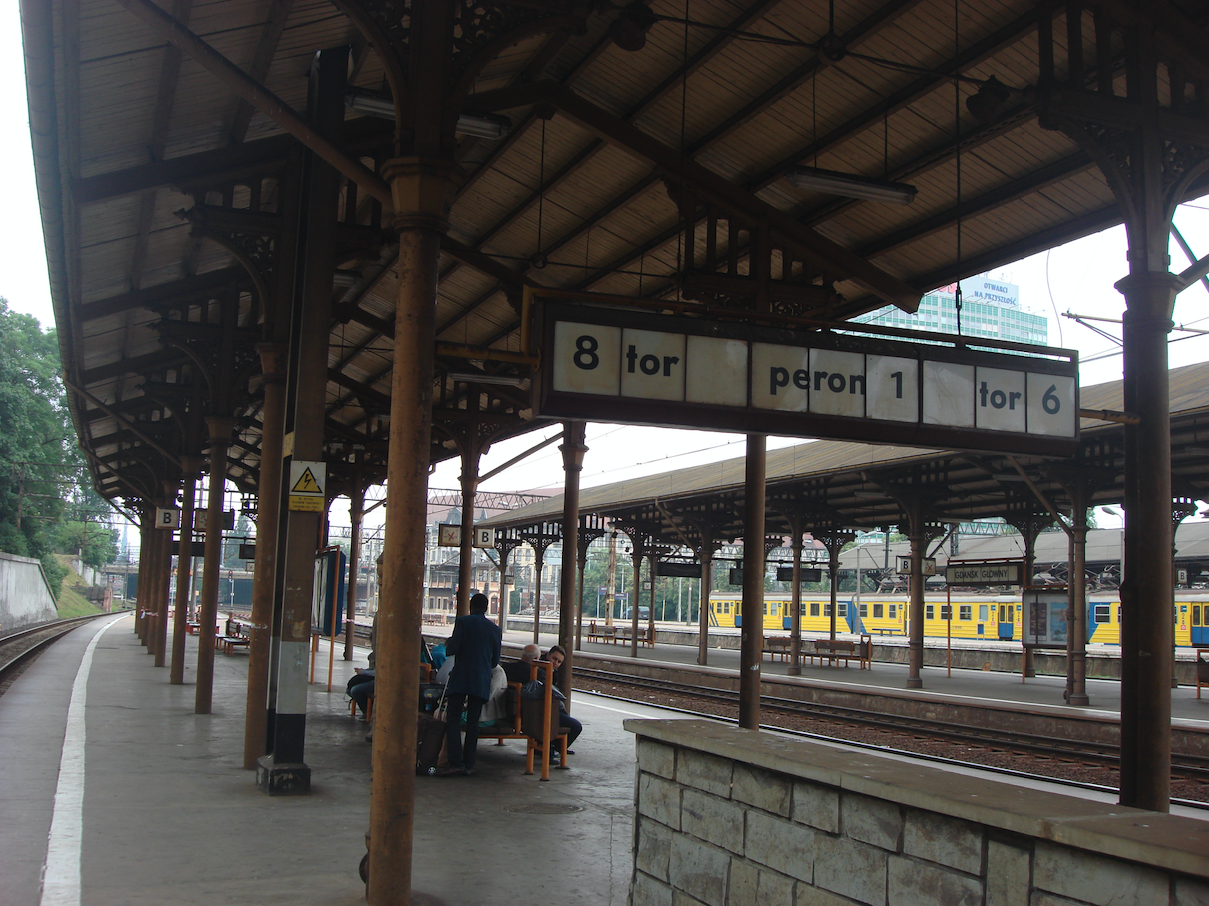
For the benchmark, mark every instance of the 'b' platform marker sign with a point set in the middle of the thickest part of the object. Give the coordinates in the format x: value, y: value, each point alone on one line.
x: 307, y: 481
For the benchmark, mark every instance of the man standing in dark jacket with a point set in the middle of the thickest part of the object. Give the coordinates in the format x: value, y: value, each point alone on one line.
x: 475, y: 645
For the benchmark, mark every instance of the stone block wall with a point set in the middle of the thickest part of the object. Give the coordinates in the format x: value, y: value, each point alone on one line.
x: 729, y: 817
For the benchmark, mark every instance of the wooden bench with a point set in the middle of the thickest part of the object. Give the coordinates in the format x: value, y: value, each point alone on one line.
x: 777, y: 646
x: 528, y: 720
x: 599, y: 633
x: 836, y: 650
x: 624, y: 634
x: 227, y: 644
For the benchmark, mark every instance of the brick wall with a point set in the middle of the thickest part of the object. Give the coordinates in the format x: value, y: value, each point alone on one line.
x: 730, y: 817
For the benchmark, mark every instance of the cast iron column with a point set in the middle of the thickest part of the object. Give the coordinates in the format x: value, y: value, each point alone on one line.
x: 220, y: 428
x: 273, y: 364
x: 707, y: 561
x: 471, y: 450
x: 1076, y: 617
x: 356, y: 509
x: 160, y: 640
x: 283, y: 771
x: 1146, y: 630
x: 573, y: 451
x: 795, y: 598
x: 419, y: 186
x: 190, y: 467
x: 751, y: 639
x: 146, y: 528
x: 915, y: 643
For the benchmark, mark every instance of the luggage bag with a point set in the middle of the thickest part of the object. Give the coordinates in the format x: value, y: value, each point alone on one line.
x: 430, y: 737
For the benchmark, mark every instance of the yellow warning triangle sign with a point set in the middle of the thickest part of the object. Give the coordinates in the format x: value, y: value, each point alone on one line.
x: 306, y: 484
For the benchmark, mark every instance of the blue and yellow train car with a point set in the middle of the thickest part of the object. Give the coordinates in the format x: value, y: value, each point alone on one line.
x: 973, y: 616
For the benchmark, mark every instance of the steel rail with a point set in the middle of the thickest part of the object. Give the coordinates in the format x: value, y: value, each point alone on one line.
x: 58, y: 628
x: 1193, y: 767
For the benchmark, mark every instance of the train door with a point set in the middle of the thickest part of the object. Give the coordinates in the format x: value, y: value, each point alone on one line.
x: 1007, y: 622
x: 1200, y: 624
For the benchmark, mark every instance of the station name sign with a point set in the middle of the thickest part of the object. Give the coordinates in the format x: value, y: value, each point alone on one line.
x: 630, y: 367
x: 983, y: 574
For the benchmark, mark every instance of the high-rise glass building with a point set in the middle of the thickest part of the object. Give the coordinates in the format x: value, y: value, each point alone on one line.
x: 990, y: 308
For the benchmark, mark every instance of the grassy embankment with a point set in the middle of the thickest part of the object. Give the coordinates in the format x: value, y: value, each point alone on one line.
x: 71, y: 602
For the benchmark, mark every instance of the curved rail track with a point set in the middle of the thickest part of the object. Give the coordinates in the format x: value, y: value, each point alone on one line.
x: 18, y: 649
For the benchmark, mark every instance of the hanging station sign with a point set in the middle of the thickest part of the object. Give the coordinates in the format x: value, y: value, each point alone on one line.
x: 991, y: 573
x: 630, y: 367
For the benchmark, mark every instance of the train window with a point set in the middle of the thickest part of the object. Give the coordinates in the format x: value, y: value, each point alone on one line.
x: 827, y: 609
x: 983, y: 614
x: 929, y: 611
x: 1100, y: 613
x: 1118, y: 614
x: 1196, y: 614
x: 843, y: 609
x: 879, y: 611
x: 966, y: 611
x: 864, y: 609
x: 893, y: 611
x: 946, y: 612
x: 814, y: 608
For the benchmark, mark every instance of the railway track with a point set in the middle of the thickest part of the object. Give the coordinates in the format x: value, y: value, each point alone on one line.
x: 1032, y: 753
x: 19, y: 649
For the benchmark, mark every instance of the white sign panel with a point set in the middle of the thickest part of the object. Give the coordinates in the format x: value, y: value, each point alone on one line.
x: 167, y: 517
x: 828, y: 385
x: 484, y: 537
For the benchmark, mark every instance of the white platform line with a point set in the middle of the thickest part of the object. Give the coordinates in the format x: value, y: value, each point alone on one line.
x: 61, y: 870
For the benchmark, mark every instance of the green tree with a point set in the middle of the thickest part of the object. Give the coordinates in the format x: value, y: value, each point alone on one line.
x: 38, y: 463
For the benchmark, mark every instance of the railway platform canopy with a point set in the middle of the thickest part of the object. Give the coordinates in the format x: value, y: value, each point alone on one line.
x: 304, y: 245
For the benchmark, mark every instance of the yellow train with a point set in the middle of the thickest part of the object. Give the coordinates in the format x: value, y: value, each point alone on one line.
x: 973, y: 616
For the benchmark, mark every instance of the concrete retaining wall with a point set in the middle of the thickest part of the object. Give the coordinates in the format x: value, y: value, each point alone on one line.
x: 25, y: 597
x: 730, y: 817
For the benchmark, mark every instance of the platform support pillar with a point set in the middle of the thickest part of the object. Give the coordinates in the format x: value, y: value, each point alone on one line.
x: 1076, y: 623
x: 273, y: 365
x: 146, y: 540
x: 220, y: 428
x: 795, y: 600
x: 283, y: 771
x: 356, y: 510
x: 915, y: 616
x: 160, y: 642
x: 573, y: 450
x: 472, y: 449
x: 190, y: 467
x: 419, y: 187
x: 751, y: 638
x: 706, y: 556
x: 1147, y: 634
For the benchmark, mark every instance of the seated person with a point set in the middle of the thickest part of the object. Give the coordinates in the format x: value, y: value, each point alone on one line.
x: 556, y: 656
x: 519, y: 671
x: 360, y: 688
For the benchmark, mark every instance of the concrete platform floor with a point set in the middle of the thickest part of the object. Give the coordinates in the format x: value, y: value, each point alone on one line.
x: 149, y: 802
x: 169, y: 816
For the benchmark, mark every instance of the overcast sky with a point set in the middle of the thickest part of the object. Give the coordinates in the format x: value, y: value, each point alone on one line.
x: 1077, y: 278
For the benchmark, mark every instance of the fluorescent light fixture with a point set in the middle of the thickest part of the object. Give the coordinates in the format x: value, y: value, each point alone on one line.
x: 506, y: 380
x: 1008, y: 476
x: 480, y: 125
x: 849, y: 185
x: 868, y: 495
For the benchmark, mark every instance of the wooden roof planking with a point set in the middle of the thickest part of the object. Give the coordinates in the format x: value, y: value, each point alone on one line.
x: 124, y: 126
